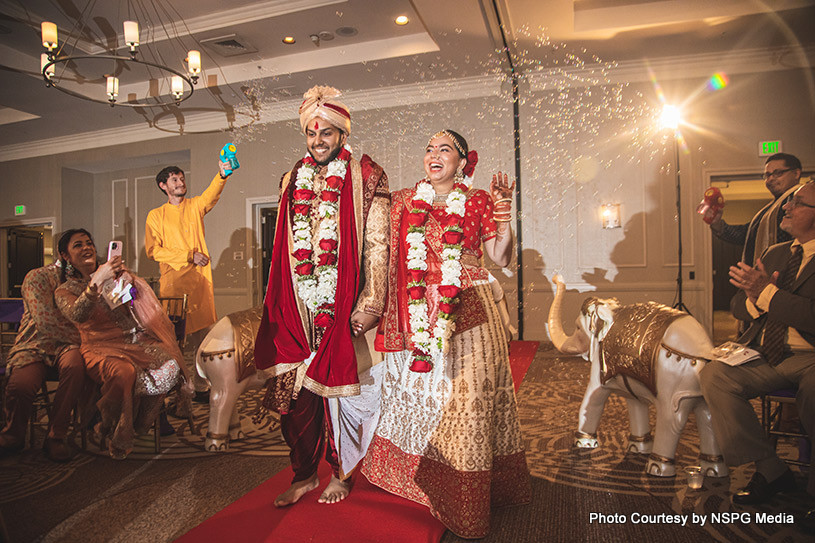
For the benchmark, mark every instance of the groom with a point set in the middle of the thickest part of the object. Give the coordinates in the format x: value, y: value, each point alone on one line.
x: 327, y: 287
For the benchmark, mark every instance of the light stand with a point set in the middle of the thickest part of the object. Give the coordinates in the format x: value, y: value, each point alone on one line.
x: 679, y: 303
x: 670, y: 118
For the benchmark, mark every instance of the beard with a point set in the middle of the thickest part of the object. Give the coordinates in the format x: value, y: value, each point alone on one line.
x: 334, y: 152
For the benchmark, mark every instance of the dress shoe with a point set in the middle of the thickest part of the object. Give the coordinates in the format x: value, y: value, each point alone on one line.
x: 758, y: 490
x: 807, y: 522
x: 56, y: 450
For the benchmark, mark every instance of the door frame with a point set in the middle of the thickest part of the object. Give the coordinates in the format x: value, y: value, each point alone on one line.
x: 253, y: 272
x: 10, y: 223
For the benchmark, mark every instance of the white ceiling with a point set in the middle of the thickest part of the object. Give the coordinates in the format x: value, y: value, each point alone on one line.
x: 445, y: 40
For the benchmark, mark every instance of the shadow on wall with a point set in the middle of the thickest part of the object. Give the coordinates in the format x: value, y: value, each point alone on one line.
x: 231, y: 268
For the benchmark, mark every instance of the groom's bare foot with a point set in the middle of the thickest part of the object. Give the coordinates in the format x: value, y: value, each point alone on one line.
x: 336, y: 491
x: 296, y: 491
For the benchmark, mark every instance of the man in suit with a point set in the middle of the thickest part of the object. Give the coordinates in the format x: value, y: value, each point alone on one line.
x: 777, y: 296
x: 782, y: 173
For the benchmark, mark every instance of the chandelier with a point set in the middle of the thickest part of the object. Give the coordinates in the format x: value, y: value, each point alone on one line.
x: 70, y: 69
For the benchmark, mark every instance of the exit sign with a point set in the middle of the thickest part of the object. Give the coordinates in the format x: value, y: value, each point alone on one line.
x: 19, y: 210
x: 767, y: 148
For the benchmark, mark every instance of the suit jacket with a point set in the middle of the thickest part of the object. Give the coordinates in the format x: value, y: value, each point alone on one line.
x: 794, y: 307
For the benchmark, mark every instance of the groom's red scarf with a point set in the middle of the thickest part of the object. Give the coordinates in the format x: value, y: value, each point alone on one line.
x: 281, y: 338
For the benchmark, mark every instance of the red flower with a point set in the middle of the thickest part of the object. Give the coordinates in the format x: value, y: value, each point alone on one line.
x: 416, y: 292
x: 421, y: 205
x: 449, y: 291
x: 304, y: 268
x: 302, y: 209
x: 448, y: 308
x: 417, y: 275
x: 420, y: 366
x: 452, y: 220
x: 452, y: 237
x: 416, y: 219
x: 328, y: 244
x: 326, y: 259
x: 334, y: 182
x: 329, y: 196
x: 472, y: 160
x: 304, y: 194
x: 323, y: 320
x: 302, y: 254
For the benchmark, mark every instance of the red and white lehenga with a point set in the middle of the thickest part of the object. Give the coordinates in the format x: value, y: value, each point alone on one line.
x: 450, y: 438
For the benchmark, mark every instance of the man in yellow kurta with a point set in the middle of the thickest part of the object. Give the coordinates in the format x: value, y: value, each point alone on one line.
x: 174, y: 237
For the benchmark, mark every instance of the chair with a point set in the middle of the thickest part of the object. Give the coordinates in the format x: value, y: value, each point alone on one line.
x: 176, y: 308
x: 11, y: 312
x: 771, y: 408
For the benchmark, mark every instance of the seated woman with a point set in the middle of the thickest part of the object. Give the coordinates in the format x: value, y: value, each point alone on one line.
x: 448, y: 436
x: 129, y: 348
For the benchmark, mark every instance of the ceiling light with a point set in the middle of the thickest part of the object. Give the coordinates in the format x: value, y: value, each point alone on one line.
x: 69, y: 58
x: 402, y: 20
x: 288, y: 40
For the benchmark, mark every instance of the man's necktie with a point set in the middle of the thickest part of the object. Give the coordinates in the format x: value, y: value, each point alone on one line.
x: 775, y: 332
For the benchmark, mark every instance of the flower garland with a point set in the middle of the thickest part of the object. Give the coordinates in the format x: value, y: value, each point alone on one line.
x: 317, y: 280
x: 427, y: 345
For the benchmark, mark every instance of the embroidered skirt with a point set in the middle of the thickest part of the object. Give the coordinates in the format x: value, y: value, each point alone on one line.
x: 450, y: 439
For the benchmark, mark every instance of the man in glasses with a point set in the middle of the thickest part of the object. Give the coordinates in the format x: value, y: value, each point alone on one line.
x: 777, y: 297
x: 782, y: 173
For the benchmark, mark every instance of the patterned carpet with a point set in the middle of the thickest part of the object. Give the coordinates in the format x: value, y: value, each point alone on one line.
x: 159, y: 497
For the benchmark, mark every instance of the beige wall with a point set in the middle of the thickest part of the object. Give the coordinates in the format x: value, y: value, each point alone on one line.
x: 580, y: 149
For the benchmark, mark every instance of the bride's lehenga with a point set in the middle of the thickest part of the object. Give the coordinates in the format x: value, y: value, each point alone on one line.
x: 450, y: 438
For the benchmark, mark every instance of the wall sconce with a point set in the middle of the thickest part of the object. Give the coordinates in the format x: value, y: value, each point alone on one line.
x: 610, y: 214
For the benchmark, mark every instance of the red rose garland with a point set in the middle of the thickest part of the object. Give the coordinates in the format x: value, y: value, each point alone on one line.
x: 317, y: 280
x: 426, y: 345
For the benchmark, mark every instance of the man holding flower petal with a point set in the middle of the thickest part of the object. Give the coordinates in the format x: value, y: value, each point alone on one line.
x: 327, y: 288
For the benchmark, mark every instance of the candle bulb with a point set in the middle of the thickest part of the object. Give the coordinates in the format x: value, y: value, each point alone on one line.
x: 177, y: 86
x: 131, y: 34
x: 194, y: 62
x: 113, y: 87
x: 49, y: 35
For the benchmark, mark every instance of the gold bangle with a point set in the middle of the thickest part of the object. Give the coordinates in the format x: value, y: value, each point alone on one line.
x: 496, y: 202
x: 496, y: 219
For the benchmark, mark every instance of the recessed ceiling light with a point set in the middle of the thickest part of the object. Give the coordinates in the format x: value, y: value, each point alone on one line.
x: 402, y: 20
x: 288, y: 40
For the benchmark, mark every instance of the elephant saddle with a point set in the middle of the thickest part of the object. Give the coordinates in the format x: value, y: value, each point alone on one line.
x: 244, y: 329
x: 632, y: 344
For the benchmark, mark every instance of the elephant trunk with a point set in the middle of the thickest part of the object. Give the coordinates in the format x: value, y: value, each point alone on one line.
x: 578, y: 343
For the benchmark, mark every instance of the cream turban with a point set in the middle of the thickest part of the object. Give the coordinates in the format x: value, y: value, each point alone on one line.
x: 320, y: 102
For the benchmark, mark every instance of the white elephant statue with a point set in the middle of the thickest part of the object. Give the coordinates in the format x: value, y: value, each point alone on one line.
x: 647, y: 353
x: 226, y: 360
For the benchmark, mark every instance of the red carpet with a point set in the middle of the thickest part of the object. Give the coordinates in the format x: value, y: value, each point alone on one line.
x: 369, y: 514
x: 521, y: 355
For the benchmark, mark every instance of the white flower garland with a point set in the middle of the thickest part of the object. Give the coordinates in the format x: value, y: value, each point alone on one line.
x: 318, y: 289
x: 430, y: 345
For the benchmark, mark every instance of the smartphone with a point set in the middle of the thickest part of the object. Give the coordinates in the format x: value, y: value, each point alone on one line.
x: 114, y: 249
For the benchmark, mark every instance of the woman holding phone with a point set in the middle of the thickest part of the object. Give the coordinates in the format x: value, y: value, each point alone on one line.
x: 129, y: 348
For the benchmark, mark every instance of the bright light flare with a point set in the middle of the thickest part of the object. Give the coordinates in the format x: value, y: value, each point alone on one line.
x: 670, y: 117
